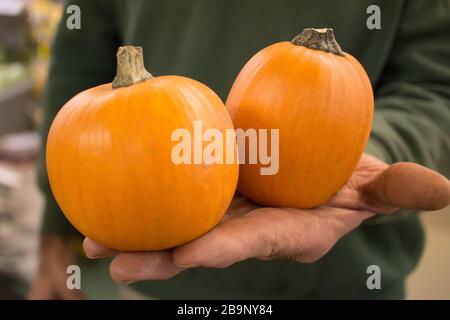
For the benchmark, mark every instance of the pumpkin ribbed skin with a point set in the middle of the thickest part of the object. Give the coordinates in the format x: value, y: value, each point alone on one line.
x: 321, y: 102
x: 110, y: 168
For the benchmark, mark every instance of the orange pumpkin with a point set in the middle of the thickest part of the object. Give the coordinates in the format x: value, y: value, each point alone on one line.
x: 110, y: 167
x: 321, y: 100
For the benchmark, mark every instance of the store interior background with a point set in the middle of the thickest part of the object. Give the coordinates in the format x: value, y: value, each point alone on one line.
x: 26, y: 31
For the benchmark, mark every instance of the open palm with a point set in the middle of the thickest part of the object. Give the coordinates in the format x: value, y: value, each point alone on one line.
x: 250, y: 231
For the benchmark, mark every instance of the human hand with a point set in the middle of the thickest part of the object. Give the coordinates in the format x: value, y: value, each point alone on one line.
x: 248, y: 231
x: 50, y: 279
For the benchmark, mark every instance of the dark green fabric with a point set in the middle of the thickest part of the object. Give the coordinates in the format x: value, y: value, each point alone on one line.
x: 210, y: 40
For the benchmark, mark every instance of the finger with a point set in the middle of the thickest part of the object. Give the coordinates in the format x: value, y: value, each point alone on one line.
x: 409, y: 186
x: 131, y: 267
x: 265, y: 232
x: 94, y: 250
x: 231, y: 241
x: 270, y: 232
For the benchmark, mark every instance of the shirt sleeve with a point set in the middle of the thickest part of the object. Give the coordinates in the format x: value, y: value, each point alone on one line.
x: 81, y: 59
x: 412, y: 104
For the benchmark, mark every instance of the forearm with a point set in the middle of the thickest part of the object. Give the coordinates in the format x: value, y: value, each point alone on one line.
x: 414, y: 129
x: 412, y: 104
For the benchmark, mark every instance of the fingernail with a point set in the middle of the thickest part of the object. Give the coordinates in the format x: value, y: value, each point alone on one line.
x: 95, y: 256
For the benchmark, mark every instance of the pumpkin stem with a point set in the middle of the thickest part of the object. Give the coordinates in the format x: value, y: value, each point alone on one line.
x: 318, y: 39
x: 130, y: 67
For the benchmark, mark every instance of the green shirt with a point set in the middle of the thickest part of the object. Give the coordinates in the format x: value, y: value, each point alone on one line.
x: 408, y: 62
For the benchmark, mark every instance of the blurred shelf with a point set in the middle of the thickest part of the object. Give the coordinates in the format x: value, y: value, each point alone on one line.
x: 17, y: 105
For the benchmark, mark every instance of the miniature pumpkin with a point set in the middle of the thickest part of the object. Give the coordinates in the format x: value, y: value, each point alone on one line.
x: 321, y: 101
x: 110, y: 167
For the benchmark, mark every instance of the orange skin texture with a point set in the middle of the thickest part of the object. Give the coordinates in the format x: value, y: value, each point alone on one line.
x: 322, y: 105
x: 110, y: 168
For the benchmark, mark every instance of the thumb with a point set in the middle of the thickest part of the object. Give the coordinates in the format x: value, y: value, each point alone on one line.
x: 409, y: 186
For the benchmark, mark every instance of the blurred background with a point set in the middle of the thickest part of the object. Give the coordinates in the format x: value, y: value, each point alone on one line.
x: 26, y: 32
